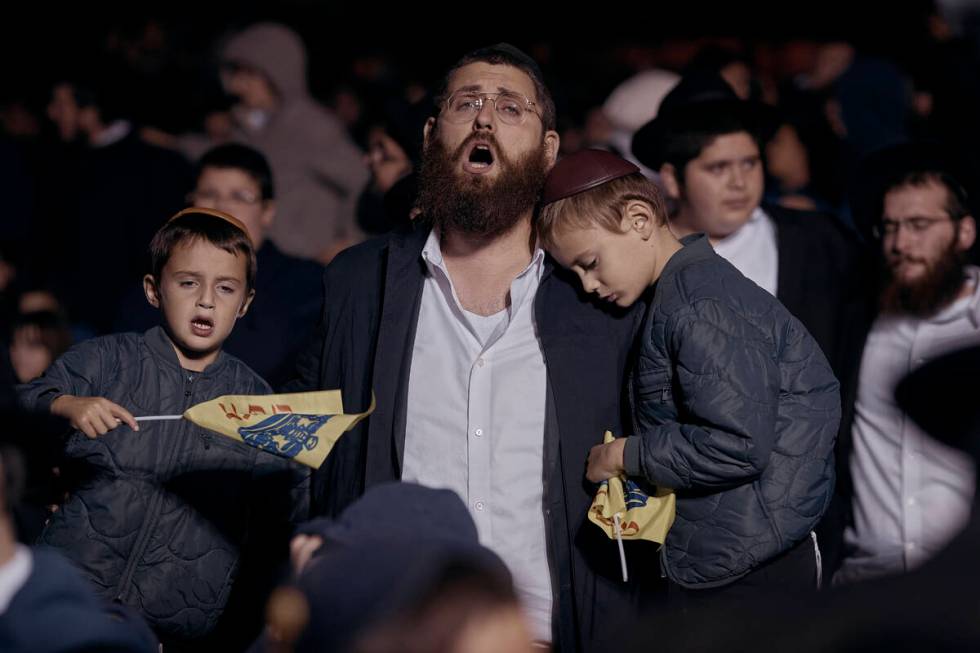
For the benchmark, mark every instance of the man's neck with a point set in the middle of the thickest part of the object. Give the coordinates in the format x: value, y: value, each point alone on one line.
x: 482, y: 269
x: 8, y: 543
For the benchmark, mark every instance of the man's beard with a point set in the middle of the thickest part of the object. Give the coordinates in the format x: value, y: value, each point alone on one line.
x: 925, y: 296
x: 474, y: 204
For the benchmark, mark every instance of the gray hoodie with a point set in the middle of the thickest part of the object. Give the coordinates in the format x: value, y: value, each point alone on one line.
x: 318, y: 171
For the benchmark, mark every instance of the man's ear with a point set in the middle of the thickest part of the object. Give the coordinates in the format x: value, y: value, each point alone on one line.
x: 245, y: 304
x: 151, y: 290
x: 268, y: 215
x: 670, y: 182
x: 427, y: 131
x: 552, y: 143
x: 966, y: 233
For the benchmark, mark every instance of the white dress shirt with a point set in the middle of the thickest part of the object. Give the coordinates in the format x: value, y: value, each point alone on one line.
x: 752, y: 250
x: 14, y: 574
x: 475, y: 421
x: 912, y: 494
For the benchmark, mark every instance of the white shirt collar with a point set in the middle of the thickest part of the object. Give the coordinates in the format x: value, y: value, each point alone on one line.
x: 432, y: 255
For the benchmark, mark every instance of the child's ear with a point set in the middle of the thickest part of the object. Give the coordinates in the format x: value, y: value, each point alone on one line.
x: 245, y: 304
x: 638, y: 217
x: 151, y: 290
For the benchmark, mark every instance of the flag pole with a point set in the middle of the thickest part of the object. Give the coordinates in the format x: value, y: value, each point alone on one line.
x: 619, y: 542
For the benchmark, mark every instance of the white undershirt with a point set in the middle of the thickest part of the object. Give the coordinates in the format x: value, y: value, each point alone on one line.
x: 752, y: 250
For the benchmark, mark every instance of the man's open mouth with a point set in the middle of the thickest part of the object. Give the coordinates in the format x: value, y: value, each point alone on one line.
x: 480, y: 158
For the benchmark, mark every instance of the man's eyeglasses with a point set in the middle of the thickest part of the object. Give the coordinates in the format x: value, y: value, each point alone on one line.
x: 210, y: 198
x: 510, y: 107
x: 915, y: 226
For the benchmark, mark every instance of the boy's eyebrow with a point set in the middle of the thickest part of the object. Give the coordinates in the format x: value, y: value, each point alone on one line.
x: 192, y: 273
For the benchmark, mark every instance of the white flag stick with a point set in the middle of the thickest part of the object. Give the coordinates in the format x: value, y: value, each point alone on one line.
x: 156, y: 418
x: 619, y: 542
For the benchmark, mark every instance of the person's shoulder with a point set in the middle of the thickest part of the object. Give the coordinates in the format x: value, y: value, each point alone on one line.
x: 371, y: 254
x: 238, y: 378
x: 813, y: 224
x: 711, y: 289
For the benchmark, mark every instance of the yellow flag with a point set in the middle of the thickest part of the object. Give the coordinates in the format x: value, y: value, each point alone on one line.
x: 641, y: 516
x: 303, y: 426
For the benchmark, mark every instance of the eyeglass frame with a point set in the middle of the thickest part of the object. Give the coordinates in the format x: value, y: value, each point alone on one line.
x: 481, y: 98
x: 241, y: 201
x: 916, y: 225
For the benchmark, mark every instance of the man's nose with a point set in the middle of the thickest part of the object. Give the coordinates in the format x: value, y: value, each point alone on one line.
x: 485, y: 118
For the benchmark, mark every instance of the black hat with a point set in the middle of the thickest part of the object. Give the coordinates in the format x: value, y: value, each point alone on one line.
x: 694, y: 104
x: 941, y: 398
x: 380, y: 555
x: 582, y: 171
x: 510, y: 52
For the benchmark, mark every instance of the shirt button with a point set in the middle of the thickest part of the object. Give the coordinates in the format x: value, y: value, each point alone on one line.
x: 479, y: 505
x: 910, y: 546
x: 479, y: 362
x: 478, y: 432
x: 187, y: 393
x: 911, y: 501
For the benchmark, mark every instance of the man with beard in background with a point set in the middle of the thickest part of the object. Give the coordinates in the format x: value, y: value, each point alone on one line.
x: 910, y: 494
x: 493, y: 374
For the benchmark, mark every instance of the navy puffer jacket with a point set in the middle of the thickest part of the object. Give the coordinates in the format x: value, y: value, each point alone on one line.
x: 737, y: 410
x: 159, y: 518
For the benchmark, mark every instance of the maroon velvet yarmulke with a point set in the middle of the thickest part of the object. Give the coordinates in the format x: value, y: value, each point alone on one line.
x: 583, y: 170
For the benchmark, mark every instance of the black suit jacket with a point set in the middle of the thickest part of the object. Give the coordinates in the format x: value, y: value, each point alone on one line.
x: 364, y: 343
x: 818, y: 278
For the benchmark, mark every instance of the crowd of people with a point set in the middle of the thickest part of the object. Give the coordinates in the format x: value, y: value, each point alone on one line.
x: 753, y: 263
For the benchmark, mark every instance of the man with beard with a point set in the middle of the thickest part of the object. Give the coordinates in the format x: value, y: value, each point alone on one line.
x: 910, y: 494
x: 493, y: 374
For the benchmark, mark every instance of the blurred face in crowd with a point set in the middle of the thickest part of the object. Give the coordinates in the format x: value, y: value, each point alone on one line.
x: 202, y: 291
x: 739, y: 77
x: 720, y: 188
x: 63, y: 111
x: 386, y: 159
x: 924, y: 249
x: 29, y: 356
x: 483, y: 169
x: 252, y: 88
x: 239, y: 194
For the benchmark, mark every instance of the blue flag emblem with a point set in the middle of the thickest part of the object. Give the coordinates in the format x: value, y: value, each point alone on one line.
x: 635, y: 497
x: 284, y: 435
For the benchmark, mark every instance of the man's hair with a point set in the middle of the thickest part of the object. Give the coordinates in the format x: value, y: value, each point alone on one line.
x: 957, y: 200
x: 603, y: 206
x: 694, y: 130
x: 240, y: 157
x: 505, y: 55
x: 192, y: 226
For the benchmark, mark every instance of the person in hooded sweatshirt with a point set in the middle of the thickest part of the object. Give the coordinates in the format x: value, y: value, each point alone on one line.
x: 318, y: 169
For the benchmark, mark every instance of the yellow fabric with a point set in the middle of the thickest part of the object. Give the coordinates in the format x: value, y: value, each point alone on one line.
x: 646, y: 518
x: 302, y: 426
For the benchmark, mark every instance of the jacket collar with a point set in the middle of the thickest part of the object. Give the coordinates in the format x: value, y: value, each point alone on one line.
x: 163, y: 349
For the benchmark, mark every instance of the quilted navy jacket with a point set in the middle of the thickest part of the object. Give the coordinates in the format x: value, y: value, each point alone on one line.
x: 159, y: 517
x: 737, y: 409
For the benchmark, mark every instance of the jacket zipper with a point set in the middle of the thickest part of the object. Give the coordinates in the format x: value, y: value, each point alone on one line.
x: 151, y: 513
